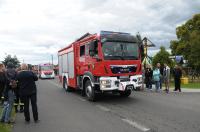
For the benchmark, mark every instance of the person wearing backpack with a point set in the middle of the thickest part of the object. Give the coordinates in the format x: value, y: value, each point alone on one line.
x: 9, y: 95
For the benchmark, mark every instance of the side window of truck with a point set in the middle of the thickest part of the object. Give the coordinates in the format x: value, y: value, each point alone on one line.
x: 82, y: 50
x: 93, y: 48
x: 87, y: 49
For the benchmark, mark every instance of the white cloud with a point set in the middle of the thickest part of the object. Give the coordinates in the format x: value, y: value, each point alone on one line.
x: 35, y: 29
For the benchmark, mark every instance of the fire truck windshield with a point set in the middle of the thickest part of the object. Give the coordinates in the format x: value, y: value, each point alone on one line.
x: 120, y: 51
x: 46, y: 68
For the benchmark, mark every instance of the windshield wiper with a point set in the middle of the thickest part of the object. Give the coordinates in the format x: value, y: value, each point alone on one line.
x: 121, y: 57
x: 131, y: 57
x: 114, y: 57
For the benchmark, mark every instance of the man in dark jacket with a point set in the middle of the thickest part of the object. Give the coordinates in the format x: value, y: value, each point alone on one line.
x: 28, y: 92
x: 177, y: 78
x: 148, y: 77
x: 18, y: 100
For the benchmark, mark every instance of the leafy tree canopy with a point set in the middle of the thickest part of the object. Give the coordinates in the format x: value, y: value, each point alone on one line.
x: 188, y: 43
x: 162, y: 57
x: 13, y: 60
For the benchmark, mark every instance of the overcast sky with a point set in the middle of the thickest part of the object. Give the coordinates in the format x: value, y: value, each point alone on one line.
x: 33, y: 30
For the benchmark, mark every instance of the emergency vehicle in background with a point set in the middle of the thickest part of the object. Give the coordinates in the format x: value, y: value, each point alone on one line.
x: 98, y: 63
x: 46, y: 71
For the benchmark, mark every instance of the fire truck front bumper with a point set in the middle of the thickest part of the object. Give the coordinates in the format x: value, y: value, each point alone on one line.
x: 44, y: 76
x: 121, y: 84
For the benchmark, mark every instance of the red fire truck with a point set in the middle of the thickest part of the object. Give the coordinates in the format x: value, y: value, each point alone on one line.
x: 46, y: 71
x: 98, y: 63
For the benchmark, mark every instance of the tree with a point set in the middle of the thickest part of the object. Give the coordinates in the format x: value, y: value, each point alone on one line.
x: 188, y: 43
x: 162, y: 57
x: 195, y: 50
x: 12, y: 60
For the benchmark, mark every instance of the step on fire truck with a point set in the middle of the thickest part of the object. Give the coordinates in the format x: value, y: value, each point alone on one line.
x: 46, y: 71
x: 98, y: 63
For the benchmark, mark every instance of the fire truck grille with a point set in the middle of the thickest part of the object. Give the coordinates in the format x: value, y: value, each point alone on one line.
x: 123, y: 69
x: 125, y: 80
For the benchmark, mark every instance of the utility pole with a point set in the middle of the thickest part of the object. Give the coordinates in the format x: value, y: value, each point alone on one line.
x: 52, y: 60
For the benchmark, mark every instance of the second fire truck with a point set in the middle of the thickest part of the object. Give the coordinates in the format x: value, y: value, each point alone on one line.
x: 98, y: 63
x: 45, y: 71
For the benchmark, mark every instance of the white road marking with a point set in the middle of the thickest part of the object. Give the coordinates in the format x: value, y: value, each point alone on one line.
x: 136, y: 125
x: 103, y: 108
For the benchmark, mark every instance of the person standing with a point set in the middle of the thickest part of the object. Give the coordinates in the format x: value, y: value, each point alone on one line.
x: 156, y: 77
x: 166, y: 77
x: 9, y: 95
x: 28, y: 91
x: 148, y: 77
x: 177, y: 78
x: 161, y: 74
x: 18, y: 101
x: 2, y: 81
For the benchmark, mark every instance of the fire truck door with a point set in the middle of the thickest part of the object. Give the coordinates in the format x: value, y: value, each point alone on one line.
x: 71, y: 64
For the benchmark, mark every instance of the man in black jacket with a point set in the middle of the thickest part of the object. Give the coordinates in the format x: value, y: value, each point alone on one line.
x: 28, y: 91
x: 148, y: 77
x: 177, y: 78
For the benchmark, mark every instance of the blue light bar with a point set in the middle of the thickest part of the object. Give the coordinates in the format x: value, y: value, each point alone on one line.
x: 111, y: 32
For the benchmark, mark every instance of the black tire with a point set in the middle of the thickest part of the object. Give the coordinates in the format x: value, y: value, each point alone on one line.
x: 89, y: 91
x: 65, y: 86
x: 126, y: 93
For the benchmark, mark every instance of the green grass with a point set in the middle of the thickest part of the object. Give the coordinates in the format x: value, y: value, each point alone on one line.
x: 194, y: 85
x: 6, y: 127
x: 190, y: 85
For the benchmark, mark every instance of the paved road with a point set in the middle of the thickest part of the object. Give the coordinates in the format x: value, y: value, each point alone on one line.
x: 142, y: 111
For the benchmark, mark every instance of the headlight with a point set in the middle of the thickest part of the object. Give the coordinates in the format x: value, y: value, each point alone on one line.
x: 140, y: 79
x: 105, y: 82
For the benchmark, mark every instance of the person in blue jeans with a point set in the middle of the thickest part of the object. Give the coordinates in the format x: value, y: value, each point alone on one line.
x: 156, y: 77
x: 9, y: 95
x: 7, y: 107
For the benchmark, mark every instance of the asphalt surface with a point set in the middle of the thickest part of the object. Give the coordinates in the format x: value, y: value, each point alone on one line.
x: 142, y: 111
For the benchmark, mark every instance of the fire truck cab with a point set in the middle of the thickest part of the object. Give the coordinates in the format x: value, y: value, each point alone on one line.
x: 98, y: 63
x: 45, y: 71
